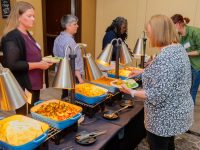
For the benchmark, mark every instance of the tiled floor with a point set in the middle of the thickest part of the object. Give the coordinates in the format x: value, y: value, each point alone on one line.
x: 183, y: 142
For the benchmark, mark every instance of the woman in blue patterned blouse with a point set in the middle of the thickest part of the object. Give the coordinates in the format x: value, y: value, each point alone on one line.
x: 168, y: 104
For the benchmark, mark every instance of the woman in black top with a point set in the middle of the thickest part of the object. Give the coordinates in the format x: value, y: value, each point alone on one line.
x: 21, y: 53
x: 118, y: 29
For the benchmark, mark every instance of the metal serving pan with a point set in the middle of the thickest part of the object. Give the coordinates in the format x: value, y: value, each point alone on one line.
x: 109, y: 88
x: 94, y: 99
x: 29, y: 145
x: 57, y: 124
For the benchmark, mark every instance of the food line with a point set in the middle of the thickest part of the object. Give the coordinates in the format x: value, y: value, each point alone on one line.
x: 130, y: 125
x: 83, y: 93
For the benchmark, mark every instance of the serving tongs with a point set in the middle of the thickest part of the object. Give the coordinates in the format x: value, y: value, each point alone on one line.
x: 1, y: 117
x: 83, y: 136
x: 111, y: 115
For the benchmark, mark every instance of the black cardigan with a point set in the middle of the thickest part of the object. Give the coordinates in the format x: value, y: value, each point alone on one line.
x: 14, y: 57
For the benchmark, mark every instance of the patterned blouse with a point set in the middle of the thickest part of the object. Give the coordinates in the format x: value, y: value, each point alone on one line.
x: 167, y: 81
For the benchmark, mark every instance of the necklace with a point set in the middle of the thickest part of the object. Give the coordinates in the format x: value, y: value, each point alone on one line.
x: 23, y: 31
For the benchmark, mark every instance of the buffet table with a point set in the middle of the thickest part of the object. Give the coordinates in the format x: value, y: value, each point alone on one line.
x: 123, y: 133
x: 68, y: 141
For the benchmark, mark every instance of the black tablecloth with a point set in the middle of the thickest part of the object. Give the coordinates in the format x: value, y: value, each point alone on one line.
x: 131, y: 122
x: 67, y: 141
x: 125, y: 116
x: 124, y: 133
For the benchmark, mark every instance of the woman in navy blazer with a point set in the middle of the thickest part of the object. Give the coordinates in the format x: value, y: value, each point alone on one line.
x: 118, y: 29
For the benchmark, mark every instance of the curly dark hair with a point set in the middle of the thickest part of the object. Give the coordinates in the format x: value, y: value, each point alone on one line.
x: 116, y: 26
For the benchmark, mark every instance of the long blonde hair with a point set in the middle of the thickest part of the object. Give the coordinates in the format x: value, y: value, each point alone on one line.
x: 163, y: 31
x: 13, y: 19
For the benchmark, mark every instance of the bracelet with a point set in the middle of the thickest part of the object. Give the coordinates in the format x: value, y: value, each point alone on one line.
x: 133, y: 93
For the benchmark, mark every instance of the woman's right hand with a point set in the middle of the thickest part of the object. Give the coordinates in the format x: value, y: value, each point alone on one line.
x: 135, y: 73
x: 39, y: 65
x: 44, y: 65
x: 125, y: 89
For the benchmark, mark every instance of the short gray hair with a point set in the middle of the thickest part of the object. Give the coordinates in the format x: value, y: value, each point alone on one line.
x: 67, y: 19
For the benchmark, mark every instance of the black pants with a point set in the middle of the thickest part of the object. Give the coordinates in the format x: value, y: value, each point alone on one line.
x: 64, y: 93
x: 160, y: 143
x: 35, y: 97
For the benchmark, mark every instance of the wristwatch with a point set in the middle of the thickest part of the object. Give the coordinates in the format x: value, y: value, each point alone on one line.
x: 133, y: 93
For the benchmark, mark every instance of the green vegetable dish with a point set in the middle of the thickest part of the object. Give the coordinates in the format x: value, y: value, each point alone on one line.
x: 130, y: 83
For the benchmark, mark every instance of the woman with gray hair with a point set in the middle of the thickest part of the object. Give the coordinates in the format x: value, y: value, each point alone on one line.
x: 66, y: 38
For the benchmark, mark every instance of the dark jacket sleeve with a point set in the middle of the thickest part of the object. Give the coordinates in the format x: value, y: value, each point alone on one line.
x: 109, y: 36
x: 14, y: 56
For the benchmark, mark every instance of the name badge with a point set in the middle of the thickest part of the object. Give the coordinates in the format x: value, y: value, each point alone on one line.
x: 186, y: 45
x: 38, y: 45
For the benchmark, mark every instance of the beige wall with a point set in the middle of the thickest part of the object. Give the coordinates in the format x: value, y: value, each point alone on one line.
x: 3, y: 21
x: 197, y: 14
x: 138, y: 12
x: 104, y: 11
x: 88, y: 24
x: 107, y: 10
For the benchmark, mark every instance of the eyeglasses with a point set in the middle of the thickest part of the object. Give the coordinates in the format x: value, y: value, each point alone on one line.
x: 147, y: 33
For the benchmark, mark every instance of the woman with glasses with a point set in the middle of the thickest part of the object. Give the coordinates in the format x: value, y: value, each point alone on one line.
x: 168, y: 104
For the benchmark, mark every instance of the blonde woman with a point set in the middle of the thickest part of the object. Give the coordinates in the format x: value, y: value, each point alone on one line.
x: 168, y: 104
x: 21, y: 53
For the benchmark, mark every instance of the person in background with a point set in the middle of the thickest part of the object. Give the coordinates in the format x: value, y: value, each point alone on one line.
x: 66, y: 38
x: 168, y: 104
x: 190, y: 39
x: 21, y: 53
x: 118, y: 29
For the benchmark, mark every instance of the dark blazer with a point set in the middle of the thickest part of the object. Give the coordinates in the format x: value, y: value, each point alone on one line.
x: 14, y: 57
x: 108, y: 37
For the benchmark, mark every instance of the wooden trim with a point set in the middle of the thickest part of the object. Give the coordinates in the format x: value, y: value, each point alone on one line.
x: 44, y: 26
x: 46, y: 76
x: 51, y: 35
x: 78, y: 12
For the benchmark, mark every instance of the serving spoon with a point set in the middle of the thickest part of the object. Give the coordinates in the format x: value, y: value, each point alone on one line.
x: 111, y: 115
